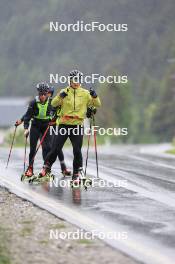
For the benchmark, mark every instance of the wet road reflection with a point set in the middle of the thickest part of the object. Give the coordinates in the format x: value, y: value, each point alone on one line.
x: 145, y: 207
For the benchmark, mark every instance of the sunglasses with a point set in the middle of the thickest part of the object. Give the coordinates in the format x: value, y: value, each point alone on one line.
x: 41, y: 94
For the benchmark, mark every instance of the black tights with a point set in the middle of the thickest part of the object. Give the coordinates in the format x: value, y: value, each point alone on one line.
x: 76, y: 139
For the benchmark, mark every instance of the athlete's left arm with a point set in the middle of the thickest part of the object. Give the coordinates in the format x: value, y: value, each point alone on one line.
x: 93, y: 101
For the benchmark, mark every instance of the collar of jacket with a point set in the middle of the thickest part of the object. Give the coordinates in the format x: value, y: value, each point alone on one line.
x: 71, y: 89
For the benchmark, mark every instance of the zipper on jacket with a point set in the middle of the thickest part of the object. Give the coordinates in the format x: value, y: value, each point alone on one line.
x: 74, y: 98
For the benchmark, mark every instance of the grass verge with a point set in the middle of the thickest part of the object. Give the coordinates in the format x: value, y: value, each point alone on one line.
x: 4, y: 255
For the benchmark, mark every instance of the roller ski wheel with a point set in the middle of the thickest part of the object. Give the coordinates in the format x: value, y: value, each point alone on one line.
x: 87, y: 182
x: 33, y: 178
x: 22, y: 177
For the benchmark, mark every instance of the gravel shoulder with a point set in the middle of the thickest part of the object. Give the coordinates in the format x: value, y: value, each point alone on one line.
x: 25, y: 237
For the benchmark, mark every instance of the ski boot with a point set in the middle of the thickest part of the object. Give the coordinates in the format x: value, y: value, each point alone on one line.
x: 66, y: 172
x: 43, y: 176
x: 64, y: 169
x: 45, y: 170
x: 28, y: 173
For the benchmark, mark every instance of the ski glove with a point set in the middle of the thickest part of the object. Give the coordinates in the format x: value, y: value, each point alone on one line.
x: 90, y: 111
x: 63, y: 94
x: 93, y: 93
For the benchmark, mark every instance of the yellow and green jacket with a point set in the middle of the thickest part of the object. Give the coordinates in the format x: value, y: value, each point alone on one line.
x: 74, y: 105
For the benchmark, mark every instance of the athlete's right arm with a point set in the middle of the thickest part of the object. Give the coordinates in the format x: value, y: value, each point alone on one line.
x: 29, y: 114
x: 58, y: 99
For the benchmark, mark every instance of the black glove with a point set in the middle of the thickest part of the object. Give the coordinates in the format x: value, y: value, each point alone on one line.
x: 90, y: 111
x: 93, y: 93
x: 63, y: 94
x: 53, y: 120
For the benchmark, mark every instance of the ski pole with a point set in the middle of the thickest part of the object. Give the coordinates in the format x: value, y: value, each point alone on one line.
x: 95, y: 144
x: 41, y: 142
x: 25, y: 151
x: 11, y: 146
x: 87, y: 153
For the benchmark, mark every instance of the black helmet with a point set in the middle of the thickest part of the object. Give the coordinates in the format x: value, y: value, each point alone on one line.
x: 76, y: 76
x: 51, y: 90
x: 42, y: 87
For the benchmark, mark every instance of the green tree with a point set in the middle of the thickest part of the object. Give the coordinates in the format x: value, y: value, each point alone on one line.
x: 116, y: 110
x: 164, y: 119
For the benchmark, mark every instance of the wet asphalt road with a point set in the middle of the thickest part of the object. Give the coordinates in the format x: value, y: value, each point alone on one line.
x: 140, y: 208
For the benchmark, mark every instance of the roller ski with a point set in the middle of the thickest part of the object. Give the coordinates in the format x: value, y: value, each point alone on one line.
x: 80, y: 180
x: 44, y: 176
x: 75, y: 182
x: 86, y: 182
x: 28, y: 174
